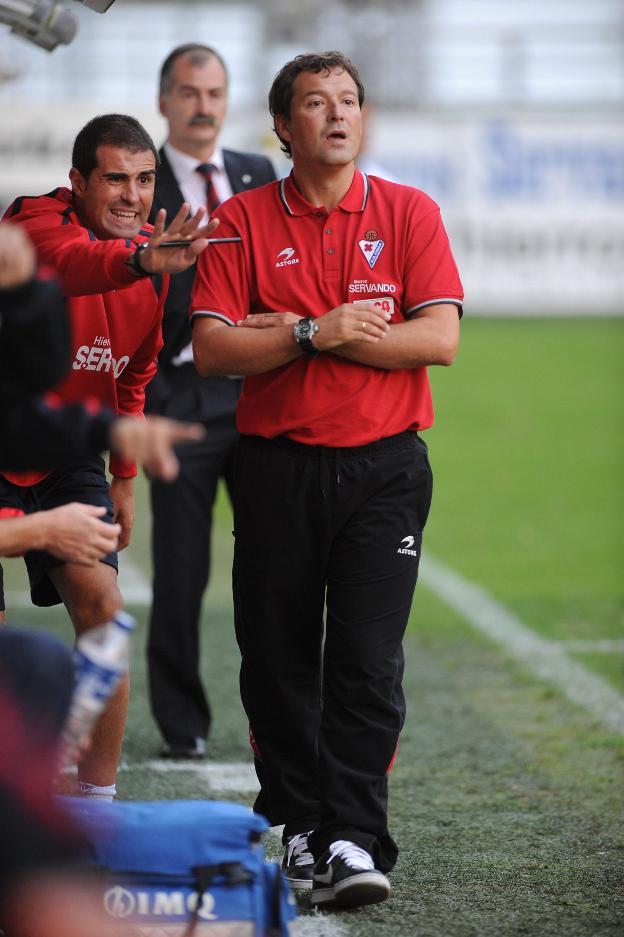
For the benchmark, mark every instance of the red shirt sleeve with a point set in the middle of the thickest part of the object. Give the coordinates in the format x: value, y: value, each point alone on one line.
x: 430, y: 273
x: 221, y: 288
x: 83, y: 264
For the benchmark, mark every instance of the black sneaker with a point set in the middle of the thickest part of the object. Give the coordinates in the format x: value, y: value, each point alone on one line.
x: 345, y: 876
x: 298, y: 862
x: 182, y: 751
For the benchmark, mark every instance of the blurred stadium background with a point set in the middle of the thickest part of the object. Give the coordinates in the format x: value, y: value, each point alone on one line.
x: 508, y: 113
x: 508, y: 789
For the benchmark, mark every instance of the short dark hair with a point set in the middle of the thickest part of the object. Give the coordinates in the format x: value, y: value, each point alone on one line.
x: 281, y: 93
x: 112, y: 129
x: 197, y: 54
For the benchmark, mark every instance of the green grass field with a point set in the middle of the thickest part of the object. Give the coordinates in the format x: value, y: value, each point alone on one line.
x: 506, y: 799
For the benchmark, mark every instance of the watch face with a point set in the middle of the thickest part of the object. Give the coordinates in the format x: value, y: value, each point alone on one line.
x: 304, y: 329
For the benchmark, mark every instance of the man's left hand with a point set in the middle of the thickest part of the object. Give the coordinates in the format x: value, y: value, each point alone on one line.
x: 122, y: 495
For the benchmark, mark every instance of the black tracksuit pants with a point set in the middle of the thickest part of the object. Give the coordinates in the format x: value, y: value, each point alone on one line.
x: 337, y: 531
x: 181, y: 555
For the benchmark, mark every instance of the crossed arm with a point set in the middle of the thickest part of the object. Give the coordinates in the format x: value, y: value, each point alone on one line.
x: 358, y: 333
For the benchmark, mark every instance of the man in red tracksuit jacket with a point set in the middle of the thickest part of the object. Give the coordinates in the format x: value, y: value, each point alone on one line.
x: 114, y: 273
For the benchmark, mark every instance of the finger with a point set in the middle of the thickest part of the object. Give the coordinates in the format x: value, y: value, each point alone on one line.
x: 195, y: 248
x: 84, y: 560
x: 159, y: 224
x: 179, y: 219
x: 371, y: 327
x: 208, y: 229
x: 168, y: 467
x: 94, y: 510
x: 257, y: 322
x: 190, y: 431
x: 191, y: 225
x: 372, y: 332
x: 372, y: 315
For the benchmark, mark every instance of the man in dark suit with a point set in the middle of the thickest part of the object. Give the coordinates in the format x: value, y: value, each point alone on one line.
x: 193, y: 99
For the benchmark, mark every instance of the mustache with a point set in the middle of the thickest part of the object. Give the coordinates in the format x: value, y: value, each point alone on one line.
x: 199, y: 120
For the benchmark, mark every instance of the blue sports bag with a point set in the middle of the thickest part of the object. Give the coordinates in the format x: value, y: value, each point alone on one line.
x: 185, y: 868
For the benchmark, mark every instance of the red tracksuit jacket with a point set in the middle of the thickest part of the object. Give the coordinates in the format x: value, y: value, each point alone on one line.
x: 115, y: 317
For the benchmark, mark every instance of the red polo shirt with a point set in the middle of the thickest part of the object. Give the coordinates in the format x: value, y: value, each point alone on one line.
x: 382, y: 242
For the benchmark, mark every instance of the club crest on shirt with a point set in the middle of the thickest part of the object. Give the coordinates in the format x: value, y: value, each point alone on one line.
x: 371, y: 246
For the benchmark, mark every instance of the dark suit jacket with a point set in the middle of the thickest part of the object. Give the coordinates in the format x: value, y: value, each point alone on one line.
x: 179, y: 391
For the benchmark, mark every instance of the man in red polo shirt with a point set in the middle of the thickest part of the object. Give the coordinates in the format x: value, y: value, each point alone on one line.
x: 342, y: 290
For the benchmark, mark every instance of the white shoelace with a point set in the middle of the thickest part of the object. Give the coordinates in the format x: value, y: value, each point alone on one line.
x: 353, y: 855
x: 298, y: 850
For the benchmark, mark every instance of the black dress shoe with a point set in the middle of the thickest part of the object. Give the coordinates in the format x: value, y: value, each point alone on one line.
x: 182, y: 751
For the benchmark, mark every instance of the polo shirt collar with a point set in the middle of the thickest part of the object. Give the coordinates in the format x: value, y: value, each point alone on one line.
x: 354, y: 201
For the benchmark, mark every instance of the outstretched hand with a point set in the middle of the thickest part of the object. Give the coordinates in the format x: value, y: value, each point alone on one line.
x: 183, y: 227
x: 151, y: 441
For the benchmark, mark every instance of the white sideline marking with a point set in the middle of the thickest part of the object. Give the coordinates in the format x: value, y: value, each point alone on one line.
x: 320, y: 925
x: 219, y: 776
x: 595, y: 647
x: 133, y: 584
x: 545, y: 658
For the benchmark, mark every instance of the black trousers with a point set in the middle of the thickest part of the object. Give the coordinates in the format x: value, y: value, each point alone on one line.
x: 334, y: 531
x: 181, y: 545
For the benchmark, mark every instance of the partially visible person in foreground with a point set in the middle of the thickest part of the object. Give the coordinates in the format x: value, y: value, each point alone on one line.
x: 33, y: 433
x: 43, y: 890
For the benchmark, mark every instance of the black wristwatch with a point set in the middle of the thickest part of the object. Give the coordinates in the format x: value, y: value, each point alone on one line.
x: 303, y: 332
x: 133, y: 262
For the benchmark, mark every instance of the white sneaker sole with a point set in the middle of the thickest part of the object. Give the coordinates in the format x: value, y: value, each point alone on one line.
x: 298, y: 884
x: 353, y: 892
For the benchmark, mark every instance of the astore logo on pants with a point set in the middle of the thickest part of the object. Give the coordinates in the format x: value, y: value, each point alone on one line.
x: 407, y: 549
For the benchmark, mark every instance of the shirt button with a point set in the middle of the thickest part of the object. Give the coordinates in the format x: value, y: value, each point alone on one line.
x: 331, y: 250
x: 327, y: 230
x: 319, y: 214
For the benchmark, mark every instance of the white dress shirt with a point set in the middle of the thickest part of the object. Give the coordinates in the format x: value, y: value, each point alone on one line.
x: 192, y: 184
x: 193, y: 188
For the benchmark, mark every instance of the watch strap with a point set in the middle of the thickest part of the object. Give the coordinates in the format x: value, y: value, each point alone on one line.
x: 303, y: 332
x: 133, y: 262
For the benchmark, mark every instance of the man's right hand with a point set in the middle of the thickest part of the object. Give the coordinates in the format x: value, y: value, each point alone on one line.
x: 150, y: 441
x: 74, y: 532
x: 158, y: 259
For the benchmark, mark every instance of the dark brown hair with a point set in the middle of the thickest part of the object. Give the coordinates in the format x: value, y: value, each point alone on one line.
x: 281, y: 93
x: 114, y: 129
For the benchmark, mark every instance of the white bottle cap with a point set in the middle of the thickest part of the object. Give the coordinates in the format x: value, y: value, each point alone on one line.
x: 125, y: 621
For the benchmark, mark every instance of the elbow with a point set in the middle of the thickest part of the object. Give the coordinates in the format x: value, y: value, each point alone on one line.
x: 447, y: 356
x: 448, y: 344
x: 446, y: 353
x: 202, y: 363
x: 204, y: 366
x: 202, y: 358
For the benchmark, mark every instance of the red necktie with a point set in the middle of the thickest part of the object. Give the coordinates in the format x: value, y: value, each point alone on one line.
x: 212, y: 199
